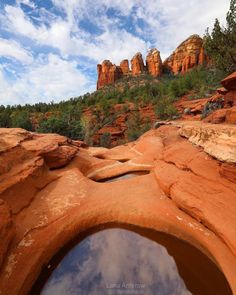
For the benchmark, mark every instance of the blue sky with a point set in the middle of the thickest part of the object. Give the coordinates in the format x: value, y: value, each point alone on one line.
x: 49, y: 49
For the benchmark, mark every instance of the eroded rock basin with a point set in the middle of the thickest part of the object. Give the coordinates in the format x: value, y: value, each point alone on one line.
x: 53, y: 191
x: 130, y: 260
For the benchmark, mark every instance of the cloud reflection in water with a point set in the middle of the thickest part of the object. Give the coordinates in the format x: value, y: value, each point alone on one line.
x: 116, y: 261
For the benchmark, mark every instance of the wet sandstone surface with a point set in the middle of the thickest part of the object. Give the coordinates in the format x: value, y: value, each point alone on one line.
x: 52, y: 191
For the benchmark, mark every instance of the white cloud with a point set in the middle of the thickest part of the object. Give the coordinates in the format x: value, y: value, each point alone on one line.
x: 167, y: 24
x: 12, y: 49
x: 50, y: 78
x: 101, y: 264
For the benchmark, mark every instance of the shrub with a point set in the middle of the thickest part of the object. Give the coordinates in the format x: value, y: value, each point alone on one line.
x: 165, y: 109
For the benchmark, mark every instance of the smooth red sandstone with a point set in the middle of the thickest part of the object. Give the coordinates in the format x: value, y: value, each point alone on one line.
x: 154, y: 63
x: 231, y: 115
x: 187, y: 194
x: 25, y: 160
x: 228, y: 171
x: 7, y: 230
x: 216, y: 117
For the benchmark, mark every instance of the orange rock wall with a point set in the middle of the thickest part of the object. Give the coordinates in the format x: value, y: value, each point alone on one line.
x: 107, y: 74
x: 188, y: 54
x: 137, y: 64
x: 154, y: 63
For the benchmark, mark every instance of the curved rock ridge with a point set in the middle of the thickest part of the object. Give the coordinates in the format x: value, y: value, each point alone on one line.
x: 187, y: 55
x: 186, y: 193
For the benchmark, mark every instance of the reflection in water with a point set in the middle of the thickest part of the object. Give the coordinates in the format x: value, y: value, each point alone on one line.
x: 125, y: 176
x: 116, y: 261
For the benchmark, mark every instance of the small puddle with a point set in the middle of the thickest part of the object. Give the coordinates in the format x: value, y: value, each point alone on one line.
x: 120, y: 261
x: 125, y: 176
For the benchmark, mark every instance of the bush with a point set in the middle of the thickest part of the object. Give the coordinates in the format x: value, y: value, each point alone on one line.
x: 21, y: 119
x: 165, y: 109
x: 61, y: 125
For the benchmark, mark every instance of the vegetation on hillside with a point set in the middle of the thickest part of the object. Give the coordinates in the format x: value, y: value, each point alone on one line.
x: 220, y: 44
x: 81, y: 117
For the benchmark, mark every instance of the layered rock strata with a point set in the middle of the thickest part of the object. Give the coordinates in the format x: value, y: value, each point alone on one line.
x: 187, y: 194
x: 137, y: 64
x: 188, y: 54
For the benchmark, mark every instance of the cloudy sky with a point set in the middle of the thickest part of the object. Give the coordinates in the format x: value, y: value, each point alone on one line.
x: 49, y: 49
x: 97, y: 266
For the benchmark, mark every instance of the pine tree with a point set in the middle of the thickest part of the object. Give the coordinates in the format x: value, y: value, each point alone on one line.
x: 220, y: 45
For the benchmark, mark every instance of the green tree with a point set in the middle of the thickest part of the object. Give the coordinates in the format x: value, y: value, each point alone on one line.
x: 220, y: 44
x: 21, y: 119
x: 62, y: 125
x: 165, y: 109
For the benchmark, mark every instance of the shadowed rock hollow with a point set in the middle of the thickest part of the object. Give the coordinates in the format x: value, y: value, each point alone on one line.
x: 51, y: 191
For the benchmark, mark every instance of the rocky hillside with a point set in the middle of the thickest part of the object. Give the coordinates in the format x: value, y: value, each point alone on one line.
x: 188, y: 55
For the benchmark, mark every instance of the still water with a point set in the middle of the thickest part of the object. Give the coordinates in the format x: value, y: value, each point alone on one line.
x: 119, y: 261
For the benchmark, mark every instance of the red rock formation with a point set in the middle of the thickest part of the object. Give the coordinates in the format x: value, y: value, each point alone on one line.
x: 107, y: 74
x: 26, y: 158
x: 124, y: 65
x: 7, y: 230
x: 154, y: 63
x: 230, y: 116
x: 180, y: 197
x: 188, y: 54
x: 230, y: 82
x: 137, y: 65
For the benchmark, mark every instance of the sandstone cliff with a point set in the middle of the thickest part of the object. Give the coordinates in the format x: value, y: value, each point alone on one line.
x: 154, y: 63
x: 137, y: 64
x: 188, y: 54
x: 107, y: 74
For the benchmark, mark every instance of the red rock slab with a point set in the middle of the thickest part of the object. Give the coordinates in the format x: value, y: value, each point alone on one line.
x: 228, y: 171
x: 216, y: 117
x: 73, y: 204
x: 231, y: 115
x: 7, y: 230
x: 201, y: 199
x: 12, y: 137
x: 22, y: 163
x: 230, y: 82
x: 230, y: 99
x: 119, y: 153
x: 195, y: 105
x: 101, y: 169
x: 218, y: 140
